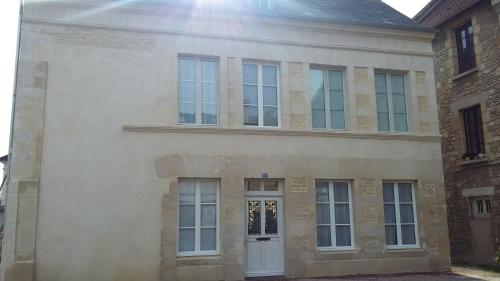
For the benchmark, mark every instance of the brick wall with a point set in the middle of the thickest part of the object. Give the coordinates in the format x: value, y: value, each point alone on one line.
x: 454, y: 93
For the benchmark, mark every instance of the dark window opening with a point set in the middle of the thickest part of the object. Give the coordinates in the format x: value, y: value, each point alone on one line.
x: 465, y: 47
x: 473, y: 131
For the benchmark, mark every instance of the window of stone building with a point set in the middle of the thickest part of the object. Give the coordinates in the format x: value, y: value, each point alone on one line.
x: 198, y: 217
x: 473, y: 128
x: 261, y: 95
x: 263, y: 5
x: 198, y: 91
x: 334, y: 215
x: 327, y: 98
x: 391, y: 102
x: 481, y: 206
x: 399, y: 215
x: 465, y: 47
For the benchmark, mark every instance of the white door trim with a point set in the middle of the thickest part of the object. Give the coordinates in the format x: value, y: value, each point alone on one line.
x: 280, y: 235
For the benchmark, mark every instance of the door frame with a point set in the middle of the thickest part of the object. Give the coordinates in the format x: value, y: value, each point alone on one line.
x: 269, y: 195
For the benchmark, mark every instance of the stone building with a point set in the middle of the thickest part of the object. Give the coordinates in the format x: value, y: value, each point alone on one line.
x: 215, y: 140
x: 467, y: 67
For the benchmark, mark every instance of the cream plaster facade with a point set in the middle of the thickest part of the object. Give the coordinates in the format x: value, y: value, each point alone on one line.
x: 97, y: 152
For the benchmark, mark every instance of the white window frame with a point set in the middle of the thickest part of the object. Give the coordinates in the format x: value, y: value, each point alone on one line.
x: 388, y: 83
x: 398, y: 216
x: 333, y: 224
x: 326, y: 89
x: 197, y: 240
x: 198, y: 102
x: 260, y: 93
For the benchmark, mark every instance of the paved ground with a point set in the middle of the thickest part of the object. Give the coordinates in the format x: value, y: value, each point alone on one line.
x: 457, y: 274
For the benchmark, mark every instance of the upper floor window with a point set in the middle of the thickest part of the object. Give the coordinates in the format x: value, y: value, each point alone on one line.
x: 327, y: 98
x: 391, y: 102
x: 465, y: 47
x: 473, y: 126
x: 264, y: 5
x: 198, y: 92
x: 260, y: 95
x: 399, y: 215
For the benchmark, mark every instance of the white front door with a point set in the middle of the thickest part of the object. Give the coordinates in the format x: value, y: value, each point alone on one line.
x: 264, y: 238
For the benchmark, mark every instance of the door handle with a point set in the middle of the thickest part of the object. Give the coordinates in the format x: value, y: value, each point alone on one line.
x: 263, y: 239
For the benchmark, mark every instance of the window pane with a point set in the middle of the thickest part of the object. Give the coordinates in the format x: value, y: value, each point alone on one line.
x: 319, y: 118
x: 270, y: 95
x: 408, y: 234
x: 406, y: 213
x: 324, y: 236
x: 208, y: 215
x: 389, y: 213
x: 400, y: 122
x: 250, y: 95
x: 250, y: 73
x: 391, y: 235
x: 343, y: 235
x: 271, y: 208
x: 317, y: 98
x: 269, y: 75
x: 209, y: 114
x: 186, y: 192
x: 271, y: 185
x: 251, y: 115
x: 405, y: 193
x: 187, y: 70
x: 253, y: 217
x: 399, y: 103
x: 187, y: 113
x: 208, y: 71
x: 397, y: 84
x: 208, y: 192
x: 336, y: 80
x: 322, y: 193
x: 380, y: 83
x: 208, y: 237
x: 341, y: 192
x: 186, y: 240
x: 186, y: 215
x: 270, y: 116
x: 383, y: 122
x: 388, y: 192
x: 337, y: 120
x: 323, y: 213
x: 252, y: 184
x: 342, y: 214
x: 187, y: 102
x: 336, y: 100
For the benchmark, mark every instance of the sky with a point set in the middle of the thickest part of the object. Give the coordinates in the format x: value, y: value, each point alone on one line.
x: 8, y: 28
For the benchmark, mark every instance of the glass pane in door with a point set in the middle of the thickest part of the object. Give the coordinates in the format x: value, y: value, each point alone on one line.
x: 253, y: 217
x: 271, y: 217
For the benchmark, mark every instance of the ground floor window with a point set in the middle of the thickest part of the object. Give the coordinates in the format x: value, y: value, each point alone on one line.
x: 481, y: 207
x: 334, y: 215
x: 399, y: 214
x: 198, y: 219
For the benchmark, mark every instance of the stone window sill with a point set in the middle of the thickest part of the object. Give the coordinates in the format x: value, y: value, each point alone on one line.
x: 463, y: 74
x: 475, y: 161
